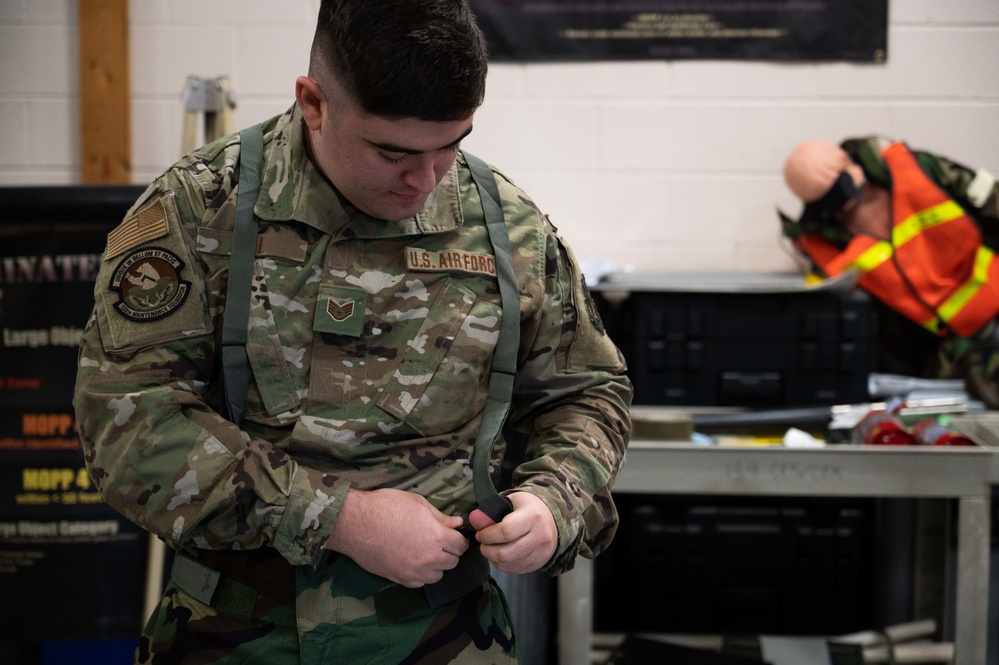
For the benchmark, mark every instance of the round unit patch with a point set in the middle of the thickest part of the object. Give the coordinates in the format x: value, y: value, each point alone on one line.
x: 149, y: 284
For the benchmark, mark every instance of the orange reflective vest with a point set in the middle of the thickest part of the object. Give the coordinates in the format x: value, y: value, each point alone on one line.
x: 934, y: 270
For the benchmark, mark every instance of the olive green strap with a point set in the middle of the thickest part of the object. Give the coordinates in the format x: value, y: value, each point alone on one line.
x: 504, y: 365
x: 236, y: 317
x: 398, y: 603
x: 210, y: 587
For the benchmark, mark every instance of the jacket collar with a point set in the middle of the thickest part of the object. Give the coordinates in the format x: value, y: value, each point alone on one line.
x: 292, y: 188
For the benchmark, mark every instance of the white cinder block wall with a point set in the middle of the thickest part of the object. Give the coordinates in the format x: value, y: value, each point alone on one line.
x: 648, y: 165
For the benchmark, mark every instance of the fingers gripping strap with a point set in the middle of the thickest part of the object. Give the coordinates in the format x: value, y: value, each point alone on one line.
x: 505, y: 356
x: 244, y: 249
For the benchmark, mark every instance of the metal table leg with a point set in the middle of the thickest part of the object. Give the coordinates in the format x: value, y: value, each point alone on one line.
x: 575, y: 614
x: 972, y: 611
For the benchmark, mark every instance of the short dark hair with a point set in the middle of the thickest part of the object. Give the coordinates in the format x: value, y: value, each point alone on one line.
x: 422, y: 59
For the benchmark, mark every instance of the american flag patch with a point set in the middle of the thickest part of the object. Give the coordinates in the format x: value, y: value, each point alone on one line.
x: 147, y: 224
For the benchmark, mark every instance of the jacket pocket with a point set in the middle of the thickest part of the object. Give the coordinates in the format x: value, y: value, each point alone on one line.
x: 438, y: 386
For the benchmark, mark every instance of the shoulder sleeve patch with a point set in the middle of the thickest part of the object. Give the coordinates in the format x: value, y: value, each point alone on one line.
x: 589, y: 346
x: 148, y: 223
x: 152, y: 290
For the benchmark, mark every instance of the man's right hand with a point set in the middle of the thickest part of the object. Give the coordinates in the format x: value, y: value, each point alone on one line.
x: 397, y: 535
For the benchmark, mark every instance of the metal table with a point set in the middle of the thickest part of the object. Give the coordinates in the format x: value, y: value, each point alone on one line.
x: 962, y: 474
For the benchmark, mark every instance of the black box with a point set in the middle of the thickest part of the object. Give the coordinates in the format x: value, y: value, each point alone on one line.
x: 691, y: 345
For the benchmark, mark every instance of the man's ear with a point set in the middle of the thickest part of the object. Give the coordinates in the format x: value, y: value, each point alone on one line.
x: 311, y: 100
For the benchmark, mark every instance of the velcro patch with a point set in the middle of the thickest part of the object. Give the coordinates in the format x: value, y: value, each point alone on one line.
x: 282, y: 245
x: 147, y: 224
x: 450, y: 259
x: 980, y: 187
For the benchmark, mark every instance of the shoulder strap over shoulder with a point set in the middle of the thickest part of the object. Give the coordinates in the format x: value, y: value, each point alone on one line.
x: 504, y: 365
x: 235, y: 372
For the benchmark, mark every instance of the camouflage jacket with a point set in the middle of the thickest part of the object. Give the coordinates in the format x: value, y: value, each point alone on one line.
x: 382, y: 384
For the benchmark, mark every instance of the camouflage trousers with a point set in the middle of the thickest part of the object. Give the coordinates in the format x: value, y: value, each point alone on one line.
x: 266, y: 612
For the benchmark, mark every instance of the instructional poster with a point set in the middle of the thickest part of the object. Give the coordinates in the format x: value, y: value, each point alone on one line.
x: 81, y: 563
x: 781, y: 30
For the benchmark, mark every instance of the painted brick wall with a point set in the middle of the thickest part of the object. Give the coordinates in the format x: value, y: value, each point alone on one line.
x: 648, y: 165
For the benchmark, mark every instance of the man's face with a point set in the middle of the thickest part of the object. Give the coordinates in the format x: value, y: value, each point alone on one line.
x: 386, y: 167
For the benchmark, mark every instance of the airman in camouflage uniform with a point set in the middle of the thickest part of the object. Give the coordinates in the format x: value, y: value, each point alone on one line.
x: 325, y: 527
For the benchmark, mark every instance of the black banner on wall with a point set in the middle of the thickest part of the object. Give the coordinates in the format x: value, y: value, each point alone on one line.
x: 783, y: 30
x: 81, y: 563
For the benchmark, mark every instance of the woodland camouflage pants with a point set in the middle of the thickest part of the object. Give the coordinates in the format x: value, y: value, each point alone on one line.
x: 346, y: 616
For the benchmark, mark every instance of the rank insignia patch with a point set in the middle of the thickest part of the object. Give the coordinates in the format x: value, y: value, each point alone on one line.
x: 149, y: 284
x: 340, y: 310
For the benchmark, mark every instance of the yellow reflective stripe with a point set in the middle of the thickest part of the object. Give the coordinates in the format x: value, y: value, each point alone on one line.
x: 872, y: 257
x: 916, y: 222
x: 881, y: 251
x: 933, y: 325
x: 953, y: 305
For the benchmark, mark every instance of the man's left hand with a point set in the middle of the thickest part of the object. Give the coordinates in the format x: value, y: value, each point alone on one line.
x: 523, y: 541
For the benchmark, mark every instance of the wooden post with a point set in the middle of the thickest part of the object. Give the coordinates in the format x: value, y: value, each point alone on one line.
x: 105, y: 118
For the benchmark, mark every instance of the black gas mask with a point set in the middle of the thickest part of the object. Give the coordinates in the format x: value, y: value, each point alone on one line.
x: 843, y: 192
x: 819, y: 217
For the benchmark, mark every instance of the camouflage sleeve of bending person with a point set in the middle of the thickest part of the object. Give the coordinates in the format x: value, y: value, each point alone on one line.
x: 572, y: 399
x: 158, y: 453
